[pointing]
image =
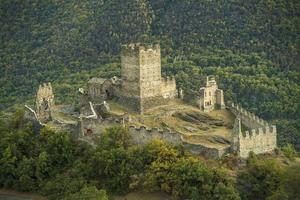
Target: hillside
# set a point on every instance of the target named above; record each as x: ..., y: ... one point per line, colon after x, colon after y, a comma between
x: 253, y: 46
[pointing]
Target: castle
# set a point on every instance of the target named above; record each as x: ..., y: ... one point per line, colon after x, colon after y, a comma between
x: 210, y: 96
x: 141, y: 86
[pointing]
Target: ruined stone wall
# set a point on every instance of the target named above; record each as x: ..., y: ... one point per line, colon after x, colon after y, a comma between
x: 210, y: 97
x: 168, y: 88
x: 250, y: 120
x: 207, y: 99
x: 44, y: 102
x: 260, y: 138
x: 142, y: 135
x: 199, y: 149
x: 95, y: 91
x: 220, y: 99
x: 45, y: 92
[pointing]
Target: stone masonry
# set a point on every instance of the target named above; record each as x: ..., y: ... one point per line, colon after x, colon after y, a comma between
x: 44, y: 102
x: 259, y: 138
x: 210, y: 97
x: 141, y: 86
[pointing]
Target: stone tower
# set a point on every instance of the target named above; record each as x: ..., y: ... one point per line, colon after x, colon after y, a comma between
x: 44, y: 102
x: 142, y: 84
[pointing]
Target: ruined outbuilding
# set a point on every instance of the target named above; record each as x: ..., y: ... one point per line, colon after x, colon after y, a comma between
x: 210, y: 96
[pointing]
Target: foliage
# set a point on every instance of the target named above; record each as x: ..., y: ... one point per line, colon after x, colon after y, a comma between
x: 251, y: 45
x: 289, y: 151
x: 61, y: 168
x: 88, y: 193
x: 268, y: 92
x: 64, y: 41
x: 267, y: 179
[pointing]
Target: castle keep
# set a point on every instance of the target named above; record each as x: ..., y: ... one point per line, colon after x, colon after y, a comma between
x: 141, y: 86
x: 210, y: 96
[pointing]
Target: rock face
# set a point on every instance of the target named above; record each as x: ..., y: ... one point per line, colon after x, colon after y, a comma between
x: 197, y: 118
x: 141, y: 86
x: 210, y: 96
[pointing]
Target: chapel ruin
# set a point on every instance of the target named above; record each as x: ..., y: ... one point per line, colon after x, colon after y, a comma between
x: 211, y: 97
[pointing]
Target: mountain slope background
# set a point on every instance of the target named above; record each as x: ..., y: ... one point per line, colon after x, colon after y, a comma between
x: 252, y: 46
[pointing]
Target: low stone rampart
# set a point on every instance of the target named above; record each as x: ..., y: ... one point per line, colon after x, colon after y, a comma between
x: 142, y: 135
x: 199, y: 149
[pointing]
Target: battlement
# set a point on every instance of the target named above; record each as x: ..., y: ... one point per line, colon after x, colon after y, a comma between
x: 260, y: 138
x: 211, y: 81
x: 168, y: 80
x: 138, y: 47
x: 249, y: 119
x: 45, y: 87
x: 259, y: 131
x: 149, y: 130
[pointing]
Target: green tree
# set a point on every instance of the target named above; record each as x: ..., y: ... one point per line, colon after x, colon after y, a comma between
x: 88, y: 193
x: 260, y: 180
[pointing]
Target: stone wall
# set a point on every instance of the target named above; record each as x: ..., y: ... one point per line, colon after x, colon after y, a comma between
x: 260, y: 138
x: 250, y: 120
x: 44, y: 102
x: 142, y: 135
x: 168, y: 88
x: 199, y: 149
x: 210, y: 97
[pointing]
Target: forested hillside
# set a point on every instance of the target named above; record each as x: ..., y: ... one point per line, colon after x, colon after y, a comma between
x: 59, y: 167
x: 253, y: 46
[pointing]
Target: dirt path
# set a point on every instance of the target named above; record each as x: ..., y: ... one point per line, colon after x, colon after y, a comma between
x: 4, y: 193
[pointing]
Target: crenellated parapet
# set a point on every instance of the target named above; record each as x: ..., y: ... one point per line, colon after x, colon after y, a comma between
x: 168, y: 87
x: 137, y: 48
x: 248, y: 135
x: 168, y: 80
x: 261, y: 137
x: 248, y: 119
